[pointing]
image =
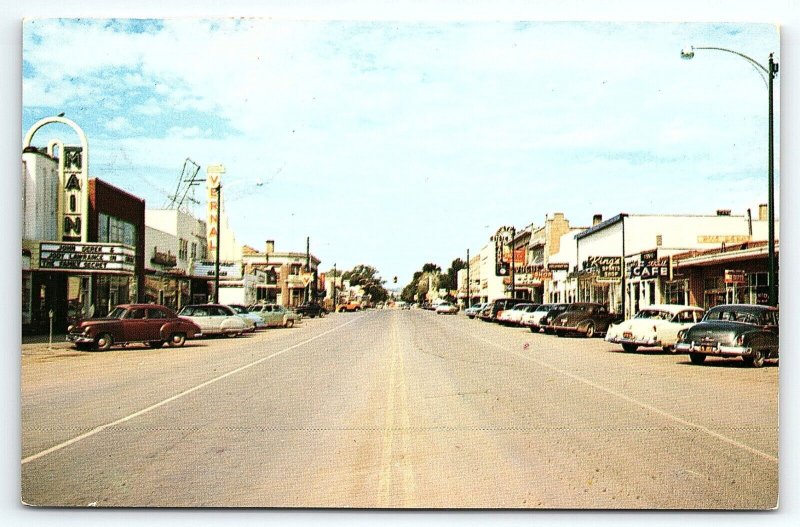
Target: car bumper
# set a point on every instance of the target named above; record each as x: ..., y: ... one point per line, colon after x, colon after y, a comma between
x: 634, y: 341
x: 79, y: 339
x: 718, y: 349
x: 568, y: 329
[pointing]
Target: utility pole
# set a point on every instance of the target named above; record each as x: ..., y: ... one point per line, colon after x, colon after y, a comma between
x: 219, y: 228
x: 308, y: 265
x: 469, y: 297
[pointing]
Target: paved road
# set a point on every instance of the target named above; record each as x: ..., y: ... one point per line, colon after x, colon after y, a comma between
x: 397, y: 409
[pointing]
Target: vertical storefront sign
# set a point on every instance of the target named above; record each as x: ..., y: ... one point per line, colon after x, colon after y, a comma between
x: 213, y: 183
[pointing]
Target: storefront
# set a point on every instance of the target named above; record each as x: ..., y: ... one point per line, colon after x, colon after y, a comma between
x: 74, y: 281
x: 733, y: 274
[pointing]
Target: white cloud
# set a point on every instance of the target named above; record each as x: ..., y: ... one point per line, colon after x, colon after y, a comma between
x: 119, y: 124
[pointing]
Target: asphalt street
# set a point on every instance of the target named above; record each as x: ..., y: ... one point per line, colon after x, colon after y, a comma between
x: 385, y: 409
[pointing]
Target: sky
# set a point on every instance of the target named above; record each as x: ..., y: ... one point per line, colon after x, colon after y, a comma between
x: 394, y: 144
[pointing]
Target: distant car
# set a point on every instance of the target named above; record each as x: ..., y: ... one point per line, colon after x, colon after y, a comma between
x: 254, y: 321
x: 311, y: 310
x: 446, y: 308
x: 275, y: 315
x: 654, y: 326
x: 473, y: 310
x: 532, y: 319
x: 733, y: 330
x: 513, y: 316
x: 546, y: 321
x: 151, y: 324
x: 496, y: 308
x: 215, y: 319
x: 349, y: 307
x: 584, y: 318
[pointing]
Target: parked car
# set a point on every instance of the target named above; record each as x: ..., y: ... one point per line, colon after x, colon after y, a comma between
x: 473, y: 310
x: 532, y: 318
x: 349, y: 306
x: 275, y: 315
x: 496, y: 308
x: 733, y: 330
x: 446, y: 308
x: 151, y: 324
x: 253, y: 321
x: 311, y: 310
x: 215, y: 319
x: 513, y: 316
x: 546, y: 321
x: 654, y: 326
x: 585, y: 318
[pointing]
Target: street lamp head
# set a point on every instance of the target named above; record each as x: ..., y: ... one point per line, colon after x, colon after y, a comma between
x: 687, y: 52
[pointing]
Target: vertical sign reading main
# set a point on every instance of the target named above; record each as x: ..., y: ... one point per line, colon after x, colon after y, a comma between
x: 73, y: 188
x: 213, y: 183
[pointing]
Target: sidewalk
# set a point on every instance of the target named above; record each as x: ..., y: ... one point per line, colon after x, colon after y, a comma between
x: 41, y: 342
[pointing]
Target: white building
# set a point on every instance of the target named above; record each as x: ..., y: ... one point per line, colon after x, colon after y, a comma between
x: 609, y: 253
x: 491, y: 285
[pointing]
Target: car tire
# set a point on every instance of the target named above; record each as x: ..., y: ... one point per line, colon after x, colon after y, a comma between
x: 83, y: 347
x: 697, y: 358
x: 629, y: 348
x: 533, y: 329
x: 155, y: 344
x: 589, y: 330
x: 559, y: 333
x: 289, y: 323
x: 177, y: 340
x: 668, y: 349
x: 756, y: 360
x: 103, y: 342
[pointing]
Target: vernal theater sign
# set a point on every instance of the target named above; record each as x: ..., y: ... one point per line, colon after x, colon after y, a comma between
x: 87, y: 256
x: 213, y: 186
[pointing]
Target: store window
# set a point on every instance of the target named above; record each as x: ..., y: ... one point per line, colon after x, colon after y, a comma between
x: 114, y: 230
x: 677, y: 292
x: 111, y: 291
x: 757, y: 290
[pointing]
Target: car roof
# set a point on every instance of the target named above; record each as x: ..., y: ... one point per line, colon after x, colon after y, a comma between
x: 671, y: 308
x: 743, y: 307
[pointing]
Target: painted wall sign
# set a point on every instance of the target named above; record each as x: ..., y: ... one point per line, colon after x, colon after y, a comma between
x: 88, y: 256
x: 727, y: 238
x: 502, y: 252
x: 605, y: 267
x: 166, y: 259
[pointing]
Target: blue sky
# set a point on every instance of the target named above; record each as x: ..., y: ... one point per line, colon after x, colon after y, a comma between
x: 395, y: 144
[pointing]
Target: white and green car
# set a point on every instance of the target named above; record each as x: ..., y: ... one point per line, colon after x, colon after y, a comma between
x: 275, y: 315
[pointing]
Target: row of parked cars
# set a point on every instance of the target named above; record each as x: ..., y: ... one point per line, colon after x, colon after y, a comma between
x: 732, y: 330
x: 156, y: 325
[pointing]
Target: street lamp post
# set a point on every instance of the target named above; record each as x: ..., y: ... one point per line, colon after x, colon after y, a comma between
x: 770, y: 71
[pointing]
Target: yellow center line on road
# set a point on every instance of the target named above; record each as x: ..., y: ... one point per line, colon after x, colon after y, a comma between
x: 150, y: 408
x: 641, y: 404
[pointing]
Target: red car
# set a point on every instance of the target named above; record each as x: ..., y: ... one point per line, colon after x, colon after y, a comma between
x: 150, y: 324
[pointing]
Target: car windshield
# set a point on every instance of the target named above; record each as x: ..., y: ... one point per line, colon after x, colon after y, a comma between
x: 117, y: 312
x: 654, y: 314
x: 732, y: 315
x: 238, y: 309
x: 544, y: 307
x: 580, y: 308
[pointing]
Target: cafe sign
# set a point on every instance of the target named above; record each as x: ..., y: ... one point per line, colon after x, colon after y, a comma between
x: 68, y: 256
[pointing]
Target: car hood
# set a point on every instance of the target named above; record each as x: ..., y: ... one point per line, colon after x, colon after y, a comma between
x: 96, y: 321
